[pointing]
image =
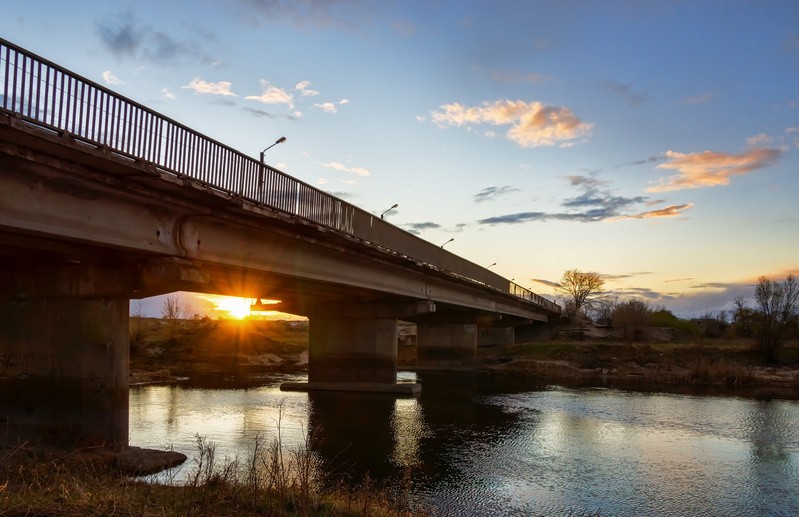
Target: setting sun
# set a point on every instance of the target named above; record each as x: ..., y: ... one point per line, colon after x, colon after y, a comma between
x: 241, y: 308
x: 238, y: 308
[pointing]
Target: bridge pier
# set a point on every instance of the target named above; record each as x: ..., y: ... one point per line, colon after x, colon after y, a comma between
x: 64, y: 371
x: 353, y: 350
x: 63, y: 358
x: 493, y: 335
x: 445, y: 345
x: 353, y: 347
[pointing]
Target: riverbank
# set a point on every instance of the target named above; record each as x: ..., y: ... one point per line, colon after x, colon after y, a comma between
x: 89, y: 483
x: 666, y: 362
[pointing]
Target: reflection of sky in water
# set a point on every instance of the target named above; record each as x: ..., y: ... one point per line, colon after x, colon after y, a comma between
x: 553, y: 451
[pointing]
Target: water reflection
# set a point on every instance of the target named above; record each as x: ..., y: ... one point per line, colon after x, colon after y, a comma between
x: 482, y: 445
x: 353, y: 433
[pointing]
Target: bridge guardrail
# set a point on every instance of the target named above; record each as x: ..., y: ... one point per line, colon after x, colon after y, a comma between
x: 46, y: 94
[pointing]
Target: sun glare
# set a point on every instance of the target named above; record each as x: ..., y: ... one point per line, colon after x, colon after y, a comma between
x: 238, y: 308
x: 242, y: 308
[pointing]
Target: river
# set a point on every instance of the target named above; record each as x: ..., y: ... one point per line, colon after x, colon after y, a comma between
x: 479, y: 445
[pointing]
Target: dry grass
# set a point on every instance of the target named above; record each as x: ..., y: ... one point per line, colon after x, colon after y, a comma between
x: 272, y: 481
x: 732, y: 363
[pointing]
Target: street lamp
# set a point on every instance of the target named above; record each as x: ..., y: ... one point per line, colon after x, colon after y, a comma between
x: 395, y: 205
x: 492, y: 265
x: 278, y: 141
x: 452, y: 239
x: 263, y: 165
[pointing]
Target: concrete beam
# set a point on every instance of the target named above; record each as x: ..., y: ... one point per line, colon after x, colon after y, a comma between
x: 167, y: 275
x: 70, y: 281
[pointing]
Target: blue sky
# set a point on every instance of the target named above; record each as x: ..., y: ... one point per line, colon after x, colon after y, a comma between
x: 652, y: 142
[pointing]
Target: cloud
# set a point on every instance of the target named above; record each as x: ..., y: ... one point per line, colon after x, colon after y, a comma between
x: 601, y: 204
x: 166, y: 93
x: 259, y: 112
x: 702, y: 98
x: 302, y: 87
x: 758, y: 140
x: 111, y: 79
x: 711, y: 169
x: 272, y: 95
x: 124, y: 37
x: 200, y: 86
x: 545, y: 282
x: 351, y: 14
x: 643, y: 161
x: 669, y: 211
x: 417, y: 228
x: 625, y: 91
x: 521, y: 217
x: 595, y: 203
x: 531, y: 124
x: 360, y: 171
x: 327, y: 107
x: 793, y: 131
x: 492, y: 193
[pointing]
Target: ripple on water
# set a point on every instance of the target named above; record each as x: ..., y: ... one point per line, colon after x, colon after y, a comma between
x: 479, y: 451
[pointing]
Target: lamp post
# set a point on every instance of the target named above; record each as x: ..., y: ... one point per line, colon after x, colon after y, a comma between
x: 491, y: 265
x: 278, y: 141
x: 452, y: 239
x: 395, y: 205
x: 263, y: 165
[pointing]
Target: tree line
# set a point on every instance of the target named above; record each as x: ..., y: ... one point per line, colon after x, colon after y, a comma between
x: 773, y: 318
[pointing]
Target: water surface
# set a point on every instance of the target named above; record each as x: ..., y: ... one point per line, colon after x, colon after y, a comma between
x: 480, y: 445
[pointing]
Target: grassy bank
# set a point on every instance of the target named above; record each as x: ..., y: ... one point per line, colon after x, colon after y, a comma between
x: 733, y: 363
x: 270, y: 482
x: 194, y: 348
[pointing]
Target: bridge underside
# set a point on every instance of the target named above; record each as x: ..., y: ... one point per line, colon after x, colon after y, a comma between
x: 81, y: 235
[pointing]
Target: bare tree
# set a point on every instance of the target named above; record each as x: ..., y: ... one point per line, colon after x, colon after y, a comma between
x: 603, y: 309
x: 581, y: 288
x: 172, y: 310
x: 136, y: 311
x: 632, y: 316
x: 742, y: 318
x: 777, y: 304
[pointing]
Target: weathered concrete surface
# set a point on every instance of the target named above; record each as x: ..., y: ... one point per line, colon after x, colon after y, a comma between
x: 64, y: 371
x: 495, y: 336
x: 362, y: 350
x: 445, y: 344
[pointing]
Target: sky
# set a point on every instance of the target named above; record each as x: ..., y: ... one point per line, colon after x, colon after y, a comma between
x: 655, y: 143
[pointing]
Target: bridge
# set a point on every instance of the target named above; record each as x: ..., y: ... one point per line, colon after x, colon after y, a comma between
x: 103, y: 200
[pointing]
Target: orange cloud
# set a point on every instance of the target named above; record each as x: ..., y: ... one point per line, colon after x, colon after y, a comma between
x: 669, y: 211
x: 532, y: 124
x: 711, y: 169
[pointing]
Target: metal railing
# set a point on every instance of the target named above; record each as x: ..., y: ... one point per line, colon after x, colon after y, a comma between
x: 46, y: 94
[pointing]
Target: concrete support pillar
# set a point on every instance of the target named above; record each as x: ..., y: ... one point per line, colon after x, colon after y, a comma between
x: 352, y: 350
x: 64, y: 365
x: 353, y: 347
x: 495, y: 336
x: 444, y: 345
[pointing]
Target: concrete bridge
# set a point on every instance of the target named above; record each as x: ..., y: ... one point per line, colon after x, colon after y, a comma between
x: 103, y: 200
